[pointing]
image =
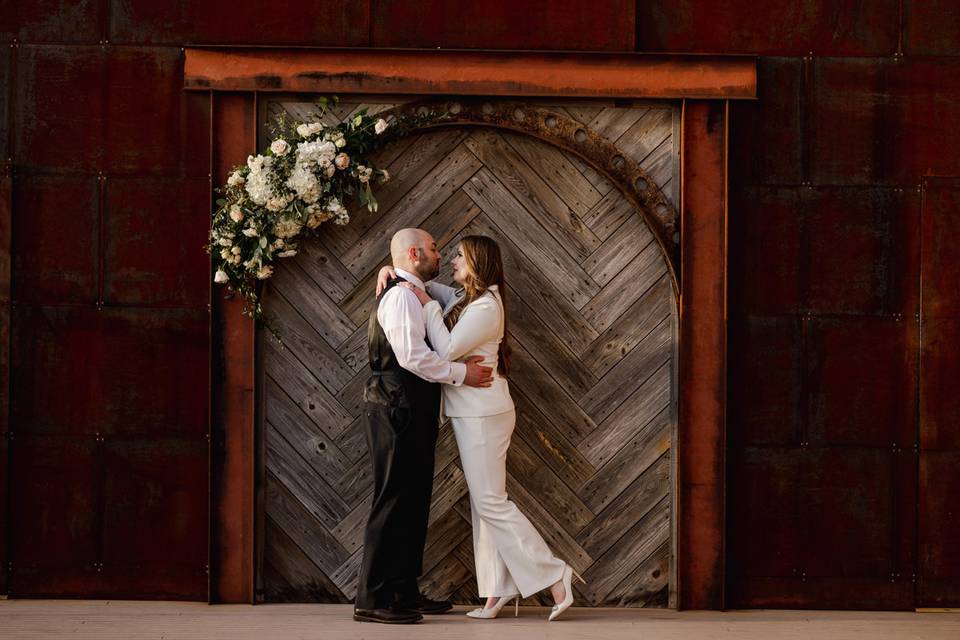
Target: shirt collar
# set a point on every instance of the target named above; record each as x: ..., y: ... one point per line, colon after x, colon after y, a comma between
x: 409, y: 277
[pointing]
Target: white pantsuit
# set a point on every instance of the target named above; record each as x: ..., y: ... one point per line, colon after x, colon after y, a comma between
x: 511, y: 557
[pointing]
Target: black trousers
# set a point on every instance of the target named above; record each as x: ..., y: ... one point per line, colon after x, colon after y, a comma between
x: 402, y: 444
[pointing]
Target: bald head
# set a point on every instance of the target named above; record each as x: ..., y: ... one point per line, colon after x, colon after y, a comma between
x: 416, y: 251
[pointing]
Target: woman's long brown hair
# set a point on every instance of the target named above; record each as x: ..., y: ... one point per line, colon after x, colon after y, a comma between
x: 484, y: 269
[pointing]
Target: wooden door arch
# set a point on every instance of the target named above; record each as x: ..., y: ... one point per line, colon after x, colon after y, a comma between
x: 592, y: 300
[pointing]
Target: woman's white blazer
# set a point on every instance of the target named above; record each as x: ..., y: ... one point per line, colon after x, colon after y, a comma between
x: 478, y: 332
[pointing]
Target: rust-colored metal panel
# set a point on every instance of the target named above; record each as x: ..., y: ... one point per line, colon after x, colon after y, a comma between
x: 884, y: 121
x: 939, y: 548
x: 823, y: 27
x: 931, y: 28
x: 4, y: 497
x: 232, y: 365
x: 131, y: 371
x: 862, y: 379
x: 850, y: 513
x: 504, y: 24
x: 55, y: 244
x: 941, y: 252
x: 939, y: 373
x: 767, y: 134
x: 764, y: 370
x: 332, y: 23
x: 766, y: 532
x: 59, y: 108
x: 862, y: 251
x: 863, y: 594
x: 53, y: 524
x: 6, y: 96
x: 471, y: 73
x: 153, y: 125
x: 62, y: 21
x: 155, y: 517
x: 141, y: 269
x: 701, y: 436
x: 766, y: 233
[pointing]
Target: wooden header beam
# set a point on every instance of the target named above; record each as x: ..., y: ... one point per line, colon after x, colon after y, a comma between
x: 493, y: 73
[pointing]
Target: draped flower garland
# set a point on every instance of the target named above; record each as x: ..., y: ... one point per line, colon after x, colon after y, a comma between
x: 308, y: 175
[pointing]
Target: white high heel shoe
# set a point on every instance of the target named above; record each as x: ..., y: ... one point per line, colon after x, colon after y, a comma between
x: 488, y: 613
x: 568, y: 573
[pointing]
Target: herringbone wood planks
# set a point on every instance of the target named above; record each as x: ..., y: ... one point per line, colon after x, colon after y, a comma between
x: 591, y: 312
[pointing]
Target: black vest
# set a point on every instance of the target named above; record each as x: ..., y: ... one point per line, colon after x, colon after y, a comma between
x: 390, y: 384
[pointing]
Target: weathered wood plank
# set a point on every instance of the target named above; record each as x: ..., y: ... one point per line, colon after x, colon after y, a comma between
x: 305, y: 343
x: 299, y: 478
x: 526, y: 327
x: 304, y: 295
x: 650, y: 398
x: 619, y: 250
x: 319, y: 451
x: 607, y: 215
x: 621, y: 291
x: 613, y: 122
x: 308, y: 534
x: 643, y: 539
x: 537, y: 290
x: 448, y: 221
x: 646, y: 134
x: 533, y: 194
x: 595, y: 177
x: 301, y: 578
x: 530, y: 378
x: 325, y: 269
x: 349, y: 531
x: 443, y: 537
x: 449, y: 486
x: 650, y: 441
x: 647, y: 586
x: 630, y: 328
x: 563, y: 545
x: 417, y: 160
x: 649, y: 355
x: 324, y: 410
x: 649, y: 488
x: 445, y: 578
x: 416, y: 206
x: 553, y: 493
x: 348, y: 574
x: 354, y: 349
x: 563, y: 458
x: 563, y: 271
x: 557, y: 171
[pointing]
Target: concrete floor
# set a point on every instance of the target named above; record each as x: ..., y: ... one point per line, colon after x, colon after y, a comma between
x: 49, y: 619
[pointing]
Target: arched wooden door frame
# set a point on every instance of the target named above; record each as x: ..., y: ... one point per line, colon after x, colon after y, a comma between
x: 233, y: 78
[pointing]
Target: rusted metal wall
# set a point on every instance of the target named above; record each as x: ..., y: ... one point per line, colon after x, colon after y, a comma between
x: 830, y: 353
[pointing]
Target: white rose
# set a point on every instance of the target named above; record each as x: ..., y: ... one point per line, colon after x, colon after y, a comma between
x: 384, y: 176
x: 276, y: 204
x: 221, y: 277
x: 341, y: 142
x: 250, y: 233
x: 225, y: 254
x: 236, y: 214
x: 236, y: 259
x: 225, y: 242
x: 264, y: 272
x: 314, y: 128
x: 330, y: 170
x: 289, y: 253
x: 235, y: 179
x: 303, y: 130
x: 356, y: 122
x: 342, y: 161
x: 380, y: 126
x: 235, y: 251
x: 279, y: 147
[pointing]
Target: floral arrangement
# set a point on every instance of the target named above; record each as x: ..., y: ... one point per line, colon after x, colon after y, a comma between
x: 305, y: 178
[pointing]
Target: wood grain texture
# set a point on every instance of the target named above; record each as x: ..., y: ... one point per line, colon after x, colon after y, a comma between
x: 591, y: 309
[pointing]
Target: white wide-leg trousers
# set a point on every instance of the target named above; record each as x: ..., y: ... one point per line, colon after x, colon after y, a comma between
x: 510, y: 554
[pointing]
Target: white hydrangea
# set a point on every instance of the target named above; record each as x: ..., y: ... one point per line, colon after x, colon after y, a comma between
x: 235, y: 179
x: 304, y: 183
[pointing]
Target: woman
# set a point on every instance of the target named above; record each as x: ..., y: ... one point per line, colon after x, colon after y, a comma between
x: 512, y: 559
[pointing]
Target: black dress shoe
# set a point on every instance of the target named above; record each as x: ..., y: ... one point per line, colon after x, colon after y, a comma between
x: 425, y: 605
x: 387, y: 616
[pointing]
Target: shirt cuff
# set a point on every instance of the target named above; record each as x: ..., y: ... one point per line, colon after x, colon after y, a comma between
x: 459, y: 372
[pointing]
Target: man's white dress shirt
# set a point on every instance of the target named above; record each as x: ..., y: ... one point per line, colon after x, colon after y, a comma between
x: 401, y: 316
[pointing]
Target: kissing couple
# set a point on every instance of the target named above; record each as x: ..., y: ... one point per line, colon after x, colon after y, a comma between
x: 426, y: 340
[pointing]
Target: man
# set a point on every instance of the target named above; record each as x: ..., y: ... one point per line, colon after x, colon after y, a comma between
x: 401, y: 410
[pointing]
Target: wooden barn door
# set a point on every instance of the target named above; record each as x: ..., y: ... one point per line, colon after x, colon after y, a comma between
x: 592, y: 321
